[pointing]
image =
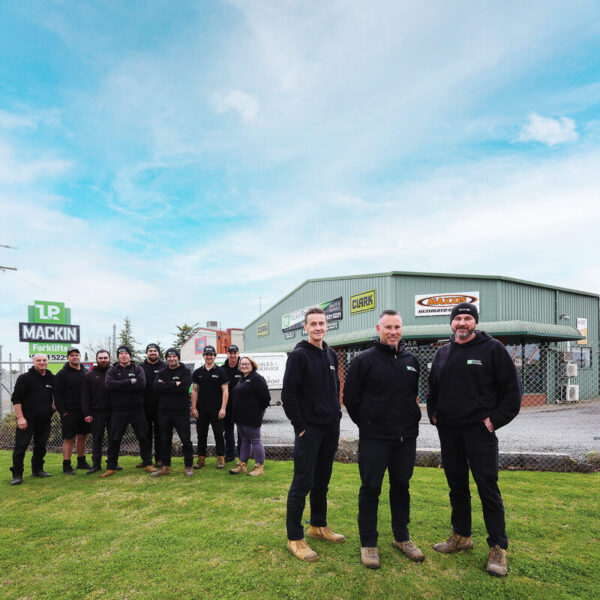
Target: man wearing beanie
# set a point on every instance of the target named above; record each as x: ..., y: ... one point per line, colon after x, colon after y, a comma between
x: 125, y: 383
x: 152, y: 365
x: 172, y: 385
x: 474, y: 389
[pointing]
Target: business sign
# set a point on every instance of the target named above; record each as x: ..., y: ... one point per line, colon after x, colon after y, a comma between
x: 290, y: 335
x: 432, y: 305
x: 363, y: 302
x: 200, y: 344
x: 582, y: 327
x: 36, y: 332
x: 295, y: 320
x: 262, y: 329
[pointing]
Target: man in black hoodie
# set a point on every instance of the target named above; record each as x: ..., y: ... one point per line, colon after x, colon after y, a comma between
x: 125, y: 383
x: 152, y: 365
x: 95, y: 406
x: 33, y: 404
x: 474, y: 389
x: 67, y: 398
x: 310, y: 398
x: 380, y: 395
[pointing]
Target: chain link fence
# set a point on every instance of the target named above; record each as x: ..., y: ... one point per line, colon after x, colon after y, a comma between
x: 558, y: 428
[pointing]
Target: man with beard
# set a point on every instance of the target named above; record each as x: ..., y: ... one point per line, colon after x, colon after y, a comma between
x: 474, y: 389
x: 380, y: 395
x: 125, y: 383
x: 210, y: 394
x: 152, y: 365
x: 173, y: 387
x: 32, y: 402
x: 233, y: 377
x: 67, y: 398
x: 95, y: 406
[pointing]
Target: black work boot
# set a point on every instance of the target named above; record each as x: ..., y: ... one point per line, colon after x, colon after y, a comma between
x: 67, y: 468
x: 82, y: 463
x: 94, y: 469
x: 17, y: 480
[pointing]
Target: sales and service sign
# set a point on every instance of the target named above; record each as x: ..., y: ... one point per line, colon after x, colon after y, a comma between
x: 295, y: 320
x: 363, y: 302
x: 431, y: 305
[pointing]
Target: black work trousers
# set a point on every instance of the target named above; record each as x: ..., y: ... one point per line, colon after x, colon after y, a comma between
x: 100, y: 424
x: 374, y: 457
x: 206, y: 418
x: 313, y: 461
x: 39, y: 429
x: 181, y: 423
x: 118, y: 425
x: 229, y: 434
x: 153, y: 424
x: 476, y: 448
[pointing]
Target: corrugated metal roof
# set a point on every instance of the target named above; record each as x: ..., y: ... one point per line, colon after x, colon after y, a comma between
x: 509, y: 329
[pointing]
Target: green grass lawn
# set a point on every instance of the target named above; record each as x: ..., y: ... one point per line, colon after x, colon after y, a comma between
x: 220, y: 536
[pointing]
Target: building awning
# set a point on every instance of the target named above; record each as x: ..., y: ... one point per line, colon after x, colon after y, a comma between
x: 511, y: 331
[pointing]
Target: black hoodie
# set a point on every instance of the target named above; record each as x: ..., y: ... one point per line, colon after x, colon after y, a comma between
x: 151, y: 371
x: 33, y: 391
x: 173, y: 398
x: 380, y: 392
x: 470, y: 382
x: 67, y: 389
x: 125, y: 387
x: 94, y: 397
x: 251, y: 398
x: 311, y: 386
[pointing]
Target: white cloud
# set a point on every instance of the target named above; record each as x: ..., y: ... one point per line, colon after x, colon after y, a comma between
x: 548, y: 131
x: 13, y: 170
x: 12, y: 121
x: 235, y: 100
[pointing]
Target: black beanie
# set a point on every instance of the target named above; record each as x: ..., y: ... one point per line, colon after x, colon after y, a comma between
x: 465, y: 308
x: 173, y: 351
x: 152, y: 345
x: 123, y: 349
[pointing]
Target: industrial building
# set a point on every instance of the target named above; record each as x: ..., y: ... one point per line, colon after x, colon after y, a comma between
x: 551, y: 333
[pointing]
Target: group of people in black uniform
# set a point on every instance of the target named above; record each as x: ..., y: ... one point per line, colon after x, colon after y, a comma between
x: 474, y: 389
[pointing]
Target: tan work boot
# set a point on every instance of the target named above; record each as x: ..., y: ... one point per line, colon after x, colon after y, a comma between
x: 455, y: 543
x: 369, y: 556
x: 162, y: 471
x: 301, y: 550
x: 258, y: 470
x: 108, y: 473
x: 220, y: 462
x: 149, y: 469
x: 410, y: 550
x: 189, y: 471
x: 200, y: 462
x: 497, y: 562
x: 325, y: 533
x: 240, y: 468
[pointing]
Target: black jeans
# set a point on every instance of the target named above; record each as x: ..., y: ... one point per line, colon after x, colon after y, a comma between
x: 39, y: 429
x: 229, y: 433
x: 153, y: 424
x: 205, y: 419
x: 118, y: 425
x: 374, y: 457
x: 100, y: 424
x: 313, y: 460
x: 181, y: 423
x: 475, y: 447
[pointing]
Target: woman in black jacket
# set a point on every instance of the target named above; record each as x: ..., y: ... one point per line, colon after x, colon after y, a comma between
x: 250, y: 400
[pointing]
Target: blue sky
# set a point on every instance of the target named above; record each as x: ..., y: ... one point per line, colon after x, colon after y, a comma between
x: 190, y: 161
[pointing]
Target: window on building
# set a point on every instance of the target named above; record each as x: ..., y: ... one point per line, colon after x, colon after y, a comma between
x: 582, y: 356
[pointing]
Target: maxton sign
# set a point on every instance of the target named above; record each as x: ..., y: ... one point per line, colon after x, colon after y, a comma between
x: 431, y: 305
x: 49, y: 329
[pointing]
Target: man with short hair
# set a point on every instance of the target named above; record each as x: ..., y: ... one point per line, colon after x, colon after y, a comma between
x: 233, y: 377
x: 173, y: 386
x: 210, y: 394
x: 32, y: 400
x: 67, y: 398
x: 310, y: 398
x: 474, y: 389
x: 96, y: 407
x: 380, y: 395
x: 152, y: 365
x: 125, y: 383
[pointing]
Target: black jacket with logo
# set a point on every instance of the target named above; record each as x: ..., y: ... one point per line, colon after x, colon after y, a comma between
x: 470, y: 382
x: 34, y: 392
x: 210, y: 390
x: 94, y: 397
x: 251, y: 398
x: 311, y: 386
x: 125, y: 387
x: 67, y: 389
x: 380, y: 392
x: 151, y: 371
x: 173, y: 397
x: 234, y: 376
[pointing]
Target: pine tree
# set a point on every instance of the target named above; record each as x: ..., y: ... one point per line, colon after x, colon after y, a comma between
x: 184, y: 333
x: 126, y: 338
